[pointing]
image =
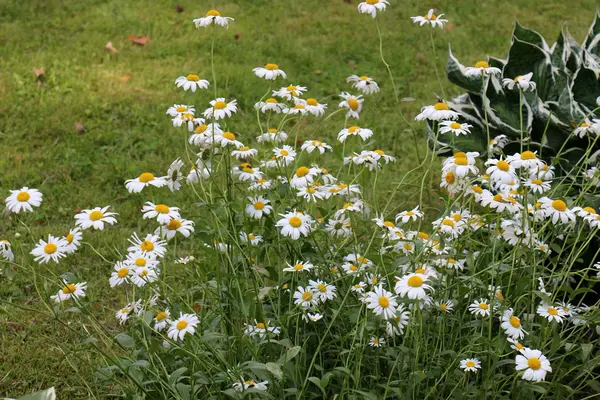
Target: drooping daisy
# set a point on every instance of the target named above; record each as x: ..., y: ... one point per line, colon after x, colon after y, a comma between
x: 290, y: 92
x: 339, y: 227
x: 352, y: 103
x: 168, y: 231
x: 269, y: 71
x: 299, y: 108
x: 310, y: 193
x: 372, y: 6
x: 23, y: 199
x: 120, y: 275
x: 527, y: 159
x: 5, y: 250
x: 586, y: 128
x: 136, y: 185
x: 186, y: 323
x: 54, y: 249
x: 191, y: 82
x: 305, y: 297
x: 537, y: 185
x: 295, y: 224
x: 312, y: 317
x: 143, y: 275
x: 220, y: 108
x: 438, y: 112
x: 363, y: 83
x: 178, y: 109
x: 558, y: 211
x: 551, y: 312
x: 470, y: 365
x: 162, y: 319
x: 480, y: 307
x: 497, y: 144
x: 535, y: 364
x: 314, y: 107
x: 227, y: 139
x: 73, y: 240
x: 512, y: 325
x: 455, y: 128
x: 212, y: 17
x: 70, y: 291
x: 95, y: 218
x: 299, y: 266
x: 482, y: 68
x: 251, y: 238
x: 161, y: 212
x: 174, y: 175
x: 322, y: 290
x: 203, y: 133
x: 500, y: 171
x: 140, y: 258
x: 430, y: 18
x: 261, y: 329
x: 381, y: 302
x: 395, y: 326
x: 244, y: 153
x: 250, y: 384
x: 364, y: 133
x: 522, y: 82
x: 272, y: 136
x: 413, y: 286
x: 271, y: 104
x: 258, y: 207
x: 310, y: 145
x: 151, y: 245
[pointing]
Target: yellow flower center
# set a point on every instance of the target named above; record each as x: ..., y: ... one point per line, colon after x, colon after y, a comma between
x: 372, y: 2
x: 415, y: 281
x: 295, y: 222
x: 201, y: 128
x: 123, y: 272
x: 161, y: 208
x: 307, y: 296
x: 271, y: 67
x: 353, y: 104
x: 353, y: 267
x: 470, y: 364
x: 503, y: 165
x: 559, y: 205
x: 291, y: 88
x: 312, y: 102
x: 70, y: 288
x: 444, y: 307
x: 143, y: 273
x: 389, y: 224
x: 228, y: 135
x: 181, y: 109
x: 433, y: 17
x: 528, y: 155
x: 455, y: 125
x: 589, y: 209
x: 219, y: 105
x: 192, y: 77
x: 461, y: 161
x: 536, y: 181
x: 161, y: 315
x: 482, y: 64
x: 302, y: 171
x: 448, y: 222
x: 96, y: 215
x: 384, y: 302
x: 146, y: 177
x: 299, y: 267
x: 477, y: 189
x: 515, y: 322
x: 260, y: 325
x: 182, y: 325
x: 484, y: 306
x: 23, y: 196
x: 284, y: 152
x: 259, y: 205
x: 140, y: 262
x: 534, y: 363
x: 174, y: 225
x: 449, y: 178
x: 50, y: 248
x: 147, y: 245
x: 552, y: 311
x: 423, y: 235
x: 69, y: 238
x: 441, y: 106
x: 213, y: 13
x: 519, y: 346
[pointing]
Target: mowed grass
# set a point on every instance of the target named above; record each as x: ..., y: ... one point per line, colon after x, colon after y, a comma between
x: 121, y: 101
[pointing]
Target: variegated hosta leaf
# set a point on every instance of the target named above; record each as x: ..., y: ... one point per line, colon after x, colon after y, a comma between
x: 504, y: 109
x: 560, y: 52
x: 530, y: 36
x: 445, y: 145
x: 586, y: 87
x: 456, y: 74
x: 591, y: 42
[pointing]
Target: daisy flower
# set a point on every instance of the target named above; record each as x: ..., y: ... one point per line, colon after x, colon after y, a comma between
x: 260, y: 184
x: 309, y: 193
x: 295, y: 224
x: 168, y: 231
x: 269, y: 71
x: 290, y: 92
x: 413, y: 286
x: 455, y: 128
x: 70, y: 291
x: 244, y: 153
x: 5, y: 251
x: 174, y: 175
x: 143, y: 275
x: 151, y: 244
x: 303, y: 176
x: 191, y: 82
x: 186, y: 323
x: 470, y: 365
x: 305, y: 298
x: 363, y: 83
x: 438, y: 112
x: 272, y: 136
x: 352, y: 103
x: 54, y: 249
x: 312, y: 317
x: 537, y: 185
x: 527, y: 159
x: 203, y: 133
x: 220, y: 109
x: 271, y: 104
x: 258, y: 207
x: 285, y: 155
x: 178, y: 109
x: 359, y: 287
x: 372, y: 6
x: 351, y: 268
x: 482, y: 68
x: 95, y: 218
x: 310, y: 145
x: 212, y: 17
x: 586, y: 128
x: 430, y: 18
x: 535, y: 364
x: 395, y: 326
x: 497, y: 144
x: 558, y: 211
x: 73, y: 240
x: 376, y: 342
x: 299, y: 108
x: 512, y: 325
x: 364, y: 133
x: 140, y: 258
x: 298, y: 267
x: 185, y: 260
x: 381, y: 302
x: 552, y: 313
x: 120, y: 275
x: 250, y: 384
x: 515, y: 344
x: 522, y: 82
x: 251, y: 238
x: 261, y: 329
x: 500, y: 171
x: 161, y: 320
x: 480, y: 307
x: 161, y: 212
x: 338, y: 227
x: 145, y: 179
x: 314, y: 107
x: 445, y: 306
x: 228, y: 139
x: 23, y: 200
x: 322, y: 290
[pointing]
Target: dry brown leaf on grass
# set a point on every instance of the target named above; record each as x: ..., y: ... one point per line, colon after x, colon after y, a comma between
x: 139, y: 40
x: 110, y: 48
x: 79, y: 128
x: 179, y: 8
x: 39, y: 72
x: 125, y: 78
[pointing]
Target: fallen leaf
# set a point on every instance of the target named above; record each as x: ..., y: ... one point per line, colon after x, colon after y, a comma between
x: 179, y: 8
x: 237, y: 36
x: 318, y: 73
x: 110, y: 48
x: 79, y: 128
x: 448, y: 27
x: 139, y: 40
x: 125, y: 78
x: 39, y: 72
x: 352, y: 64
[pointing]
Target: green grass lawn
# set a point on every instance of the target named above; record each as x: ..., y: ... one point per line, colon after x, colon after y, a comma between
x: 120, y: 99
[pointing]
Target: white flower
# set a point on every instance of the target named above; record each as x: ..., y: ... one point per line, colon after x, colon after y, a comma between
x: 480, y: 307
x: 527, y: 159
x: 271, y: 104
x: 558, y: 210
x: 512, y: 325
x: 352, y: 103
x: 179, y: 109
x: 143, y: 275
x: 95, y: 218
x: 272, y: 136
x: 497, y: 144
x: 5, y: 251
x: 535, y: 364
x: 338, y: 227
x: 310, y: 145
x: 314, y: 107
x: 162, y: 319
x: 322, y: 290
x: 168, y: 231
x: 455, y: 128
x: 537, y: 185
x: 258, y: 207
x: 430, y: 18
x: 220, y: 109
x: 381, y: 302
x: 470, y: 365
x: 269, y: 71
x: 413, y: 286
x: 295, y: 224
x: 250, y: 384
x: 23, y: 200
x: 151, y: 245
x: 161, y: 212
x: 120, y: 275
x: 136, y: 185
x: 376, y: 342
x: 212, y: 16
x: 191, y: 82
x: 227, y: 139
x: 186, y: 323
x: 298, y: 267
x: 251, y: 238
x: 364, y: 133
x: 500, y: 172
x: 396, y: 326
x: 290, y: 92
x: 551, y: 312
x: 438, y: 112
x: 363, y: 83
x: 73, y: 240
x: 522, y: 82
x: 586, y: 128
x: 70, y: 291
x: 174, y: 175
x: 372, y: 6
x: 141, y: 258
x: 312, y: 317
x: 204, y: 133
x: 54, y: 249
x: 482, y: 68
x: 244, y: 153
x: 305, y: 297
